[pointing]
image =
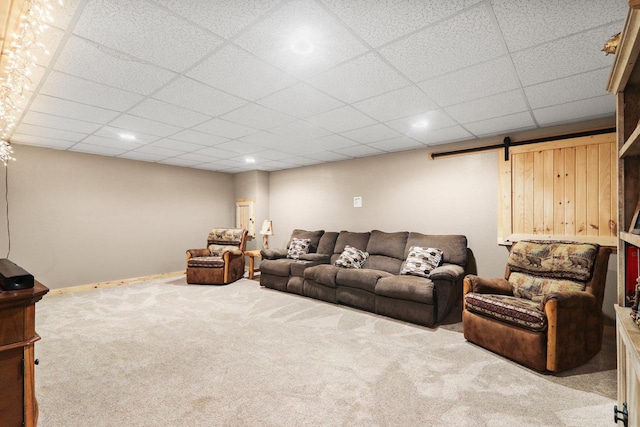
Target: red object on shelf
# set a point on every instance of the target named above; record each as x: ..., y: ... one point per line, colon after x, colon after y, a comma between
x: 631, y: 273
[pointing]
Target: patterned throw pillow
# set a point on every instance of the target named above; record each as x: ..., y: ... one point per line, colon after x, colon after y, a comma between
x: 351, y: 257
x: 298, y: 247
x: 421, y: 261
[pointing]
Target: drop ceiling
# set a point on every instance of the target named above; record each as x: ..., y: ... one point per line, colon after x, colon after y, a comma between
x: 227, y: 85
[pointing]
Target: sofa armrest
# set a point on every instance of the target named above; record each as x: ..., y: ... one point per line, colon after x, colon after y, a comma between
x: 192, y: 253
x: 473, y: 283
x: 273, y: 253
x: 447, y: 272
x: 575, y: 299
x: 319, y: 258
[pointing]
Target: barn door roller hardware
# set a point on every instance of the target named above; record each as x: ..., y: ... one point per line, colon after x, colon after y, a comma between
x: 508, y: 143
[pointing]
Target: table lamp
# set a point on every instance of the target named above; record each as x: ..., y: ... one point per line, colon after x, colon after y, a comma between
x: 267, y: 230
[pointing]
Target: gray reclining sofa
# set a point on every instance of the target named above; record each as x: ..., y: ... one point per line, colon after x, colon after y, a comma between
x: 378, y: 286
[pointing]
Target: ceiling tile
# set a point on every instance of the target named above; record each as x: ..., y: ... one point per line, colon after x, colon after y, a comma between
x: 167, y: 113
x: 268, y: 140
x: 430, y: 120
x: 303, y: 161
x: 145, y: 157
x: 533, y: 22
x: 271, y: 155
x: 160, y: 151
x: 497, y: 125
x: 359, y: 151
x: 300, y: 101
x: 399, y: 103
x: 101, y: 64
x: 146, y: 31
x: 40, y: 141
x: 301, y: 149
x: 57, y: 122
x: 465, y: 39
x: 223, y: 17
x: 239, y: 147
x: 63, y: 13
x: 485, y: 108
x: 212, y: 152
x: 300, y: 130
x: 138, y: 124
x: 359, y: 78
x: 62, y: 107
x: 341, y: 119
x: 329, y: 156
x: 197, y: 157
x: 27, y: 129
x: 114, y: 133
x: 599, y: 106
x: 76, y: 89
x: 174, y: 144
x: 477, y: 81
x: 50, y: 39
x: 568, y: 89
x: 565, y: 57
x: 225, y: 128
x: 383, y: 21
x: 301, y: 20
x: 198, y: 137
x: 332, y: 142
x: 257, y: 116
x: 117, y: 144
x: 443, y: 136
x: 189, y: 93
x: 96, y: 149
x: 370, y: 134
x: 239, y: 73
x: 397, y: 144
x: 179, y: 162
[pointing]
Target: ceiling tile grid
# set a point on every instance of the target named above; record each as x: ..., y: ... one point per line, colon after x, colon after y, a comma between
x: 216, y: 84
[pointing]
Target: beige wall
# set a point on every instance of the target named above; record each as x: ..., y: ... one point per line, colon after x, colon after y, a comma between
x: 401, y: 191
x: 79, y: 218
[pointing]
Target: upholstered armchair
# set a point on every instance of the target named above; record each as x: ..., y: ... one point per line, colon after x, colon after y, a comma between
x: 547, y: 311
x: 222, y: 261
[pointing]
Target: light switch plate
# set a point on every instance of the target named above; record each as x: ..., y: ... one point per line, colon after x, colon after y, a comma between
x: 357, y: 202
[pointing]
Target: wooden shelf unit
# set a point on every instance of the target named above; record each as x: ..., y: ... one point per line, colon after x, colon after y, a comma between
x: 624, y: 82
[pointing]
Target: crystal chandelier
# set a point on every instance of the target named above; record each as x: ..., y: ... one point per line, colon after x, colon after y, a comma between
x: 19, y: 54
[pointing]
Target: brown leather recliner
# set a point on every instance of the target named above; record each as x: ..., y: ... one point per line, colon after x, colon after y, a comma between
x: 547, y: 312
x: 222, y: 261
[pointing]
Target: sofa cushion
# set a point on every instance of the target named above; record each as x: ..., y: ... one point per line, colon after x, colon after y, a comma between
x: 389, y: 244
x: 313, y: 236
x: 298, y: 267
x: 225, y: 236
x: 206, y: 262
x: 218, y: 250
x: 453, y: 247
x: 517, y: 311
x: 298, y: 247
x: 409, y: 288
x: 277, y: 267
x: 273, y: 253
x: 383, y: 263
x: 421, y: 261
x: 365, y: 279
x: 323, y: 274
x: 357, y: 240
x: 327, y: 242
x: 351, y: 258
x: 534, y: 288
x: 557, y: 259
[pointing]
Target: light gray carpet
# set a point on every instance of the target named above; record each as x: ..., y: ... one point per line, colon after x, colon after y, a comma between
x: 163, y: 353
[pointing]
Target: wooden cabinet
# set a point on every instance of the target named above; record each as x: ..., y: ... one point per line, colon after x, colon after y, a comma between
x: 18, y: 405
x: 624, y: 82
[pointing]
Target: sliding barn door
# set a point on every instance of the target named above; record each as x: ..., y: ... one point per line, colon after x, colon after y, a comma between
x: 565, y: 189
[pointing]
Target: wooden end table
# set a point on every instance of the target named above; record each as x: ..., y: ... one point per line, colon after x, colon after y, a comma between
x: 252, y: 256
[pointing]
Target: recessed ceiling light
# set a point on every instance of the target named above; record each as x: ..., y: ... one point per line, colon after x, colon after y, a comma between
x: 302, y: 46
x: 127, y: 136
x: 250, y: 160
x: 421, y: 124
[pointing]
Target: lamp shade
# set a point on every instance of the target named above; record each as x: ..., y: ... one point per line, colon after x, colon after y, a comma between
x: 267, y: 228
